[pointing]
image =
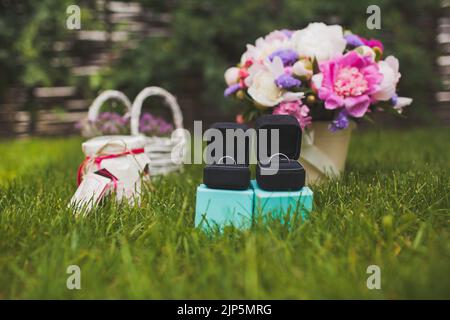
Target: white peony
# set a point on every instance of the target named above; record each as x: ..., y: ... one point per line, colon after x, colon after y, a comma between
x: 264, y: 47
x: 231, y: 76
x: 389, y: 68
x: 264, y: 90
x: 261, y: 82
x: 262, y: 87
x: 319, y: 40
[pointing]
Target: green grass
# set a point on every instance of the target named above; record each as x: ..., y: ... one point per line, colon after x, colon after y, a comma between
x: 20, y: 157
x: 391, y: 208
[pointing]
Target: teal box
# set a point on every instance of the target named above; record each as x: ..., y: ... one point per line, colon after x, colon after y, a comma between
x: 278, y: 203
x: 219, y: 207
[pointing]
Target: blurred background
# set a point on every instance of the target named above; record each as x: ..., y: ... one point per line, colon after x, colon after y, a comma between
x: 49, y: 75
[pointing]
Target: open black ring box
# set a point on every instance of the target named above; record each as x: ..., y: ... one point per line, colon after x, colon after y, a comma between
x: 229, y: 170
x: 288, y: 174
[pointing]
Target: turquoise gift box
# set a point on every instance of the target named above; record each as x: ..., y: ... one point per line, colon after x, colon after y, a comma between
x: 220, y: 207
x: 281, y: 204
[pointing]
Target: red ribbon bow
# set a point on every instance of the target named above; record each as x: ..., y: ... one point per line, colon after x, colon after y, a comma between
x: 98, y: 160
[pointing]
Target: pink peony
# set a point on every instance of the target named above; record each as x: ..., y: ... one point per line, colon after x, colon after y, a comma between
x: 294, y: 108
x: 348, y: 81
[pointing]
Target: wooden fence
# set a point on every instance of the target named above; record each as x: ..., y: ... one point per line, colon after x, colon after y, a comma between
x: 57, y: 109
x: 442, y: 108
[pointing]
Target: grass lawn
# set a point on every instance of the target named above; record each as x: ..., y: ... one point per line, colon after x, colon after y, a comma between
x: 391, y: 209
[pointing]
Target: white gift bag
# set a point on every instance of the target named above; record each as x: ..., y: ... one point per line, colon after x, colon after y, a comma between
x: 119, y: 159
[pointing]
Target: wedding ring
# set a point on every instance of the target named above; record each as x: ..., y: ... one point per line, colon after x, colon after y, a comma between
x: 221, y: 159
x: 276, y: 154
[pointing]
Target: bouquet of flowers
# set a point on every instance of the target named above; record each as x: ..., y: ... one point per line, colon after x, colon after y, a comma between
x: 315, y: 73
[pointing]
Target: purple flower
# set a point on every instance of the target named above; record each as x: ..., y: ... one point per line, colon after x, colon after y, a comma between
x: 124, y: 120
x: 353, y: 40
x: 109, y: 123
x: 165, y: 128
x: 394, y: 99
x: 151, y: 125
x: 109, y: 128
x: 104, y: 115
x: 231, y: 89
x: 287, y: 56
x: 286, y: 81
x: 341, y: 122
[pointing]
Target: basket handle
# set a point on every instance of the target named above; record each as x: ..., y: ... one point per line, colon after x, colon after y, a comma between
x: 94, y: 109
x: 154, y: 91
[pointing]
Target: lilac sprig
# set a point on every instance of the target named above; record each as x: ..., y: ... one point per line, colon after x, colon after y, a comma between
x: 353, y: 40
x: 287, y: 56
x: 286, y: 81
x: 341, y: 122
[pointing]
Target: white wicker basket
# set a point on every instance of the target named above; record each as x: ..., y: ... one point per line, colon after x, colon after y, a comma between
x: 88, y: 130
x: 165, y: 153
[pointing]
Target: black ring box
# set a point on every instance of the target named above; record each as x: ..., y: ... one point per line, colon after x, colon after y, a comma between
x: 225, y: 175
x: 290, y: 174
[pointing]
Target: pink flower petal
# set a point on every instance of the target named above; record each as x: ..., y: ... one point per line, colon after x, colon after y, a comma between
x: 334, y: 101
x: 352, y: 59
x: 357, y: 106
